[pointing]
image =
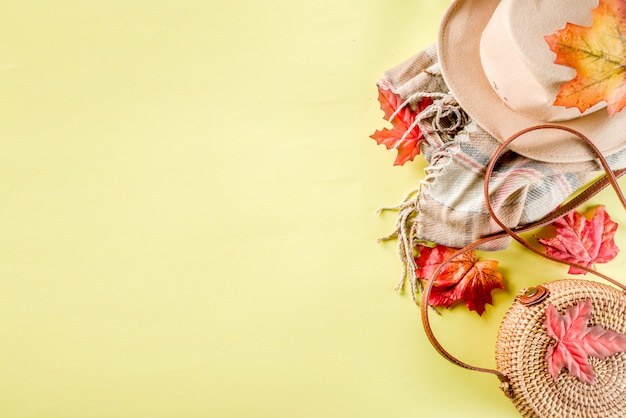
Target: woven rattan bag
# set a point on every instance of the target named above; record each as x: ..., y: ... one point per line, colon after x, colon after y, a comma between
x: 524, y: 341
x: 521, y: 351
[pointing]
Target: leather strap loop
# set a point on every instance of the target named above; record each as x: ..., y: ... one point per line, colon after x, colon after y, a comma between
x: 609, y: 178
x: 609, y: 175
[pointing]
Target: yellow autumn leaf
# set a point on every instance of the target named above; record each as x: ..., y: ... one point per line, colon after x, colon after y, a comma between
x: 598, y: 54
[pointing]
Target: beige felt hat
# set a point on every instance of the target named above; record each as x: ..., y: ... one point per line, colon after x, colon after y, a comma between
x: 498, y: 65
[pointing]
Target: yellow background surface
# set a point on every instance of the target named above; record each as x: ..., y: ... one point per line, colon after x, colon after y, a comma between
x: 188, y: 228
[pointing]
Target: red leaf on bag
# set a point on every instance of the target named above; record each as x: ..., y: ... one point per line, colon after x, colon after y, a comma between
x: 582, y: 241
x: 464, y: 278
x: 597, y: 54
x: 406, y: 141
x: 575, y: 341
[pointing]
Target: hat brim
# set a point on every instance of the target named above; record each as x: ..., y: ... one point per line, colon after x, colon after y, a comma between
x: 459, y: 55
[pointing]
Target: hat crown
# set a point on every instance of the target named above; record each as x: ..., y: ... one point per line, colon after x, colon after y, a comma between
x: 518, y: 62
x: 465, y: 62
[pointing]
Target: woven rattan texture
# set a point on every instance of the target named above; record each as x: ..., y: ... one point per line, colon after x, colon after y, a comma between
x: 521, y: 350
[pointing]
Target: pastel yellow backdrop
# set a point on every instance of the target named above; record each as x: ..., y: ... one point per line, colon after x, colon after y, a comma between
x: 188, y: 216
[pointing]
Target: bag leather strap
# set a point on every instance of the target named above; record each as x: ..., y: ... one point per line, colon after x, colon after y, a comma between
x: 609, y: 178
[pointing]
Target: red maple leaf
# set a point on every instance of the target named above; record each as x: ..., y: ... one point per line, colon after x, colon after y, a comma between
x: 575, y: 341
x: 402, y: 137
x: 463, y: 278
x: 582, y: 241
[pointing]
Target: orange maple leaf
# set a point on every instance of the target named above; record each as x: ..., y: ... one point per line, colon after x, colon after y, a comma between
x: 464, y: 278
x: 598, y: 54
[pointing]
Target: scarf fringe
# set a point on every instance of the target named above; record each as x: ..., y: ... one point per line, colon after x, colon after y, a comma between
x: 439, y: 122
x: 407, y: 224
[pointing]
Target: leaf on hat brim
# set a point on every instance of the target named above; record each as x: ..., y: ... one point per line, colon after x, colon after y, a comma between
x: 463, y: 278
x: 403, y: 137
x: 598, y: 54
x: 575, y: 341
x: 583, y: 241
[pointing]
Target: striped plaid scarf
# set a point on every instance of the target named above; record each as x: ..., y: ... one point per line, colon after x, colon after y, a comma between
x: 448, y: 206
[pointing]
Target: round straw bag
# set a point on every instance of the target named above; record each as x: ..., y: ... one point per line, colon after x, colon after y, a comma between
x: 536, y: 388
x: 522, y: 345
